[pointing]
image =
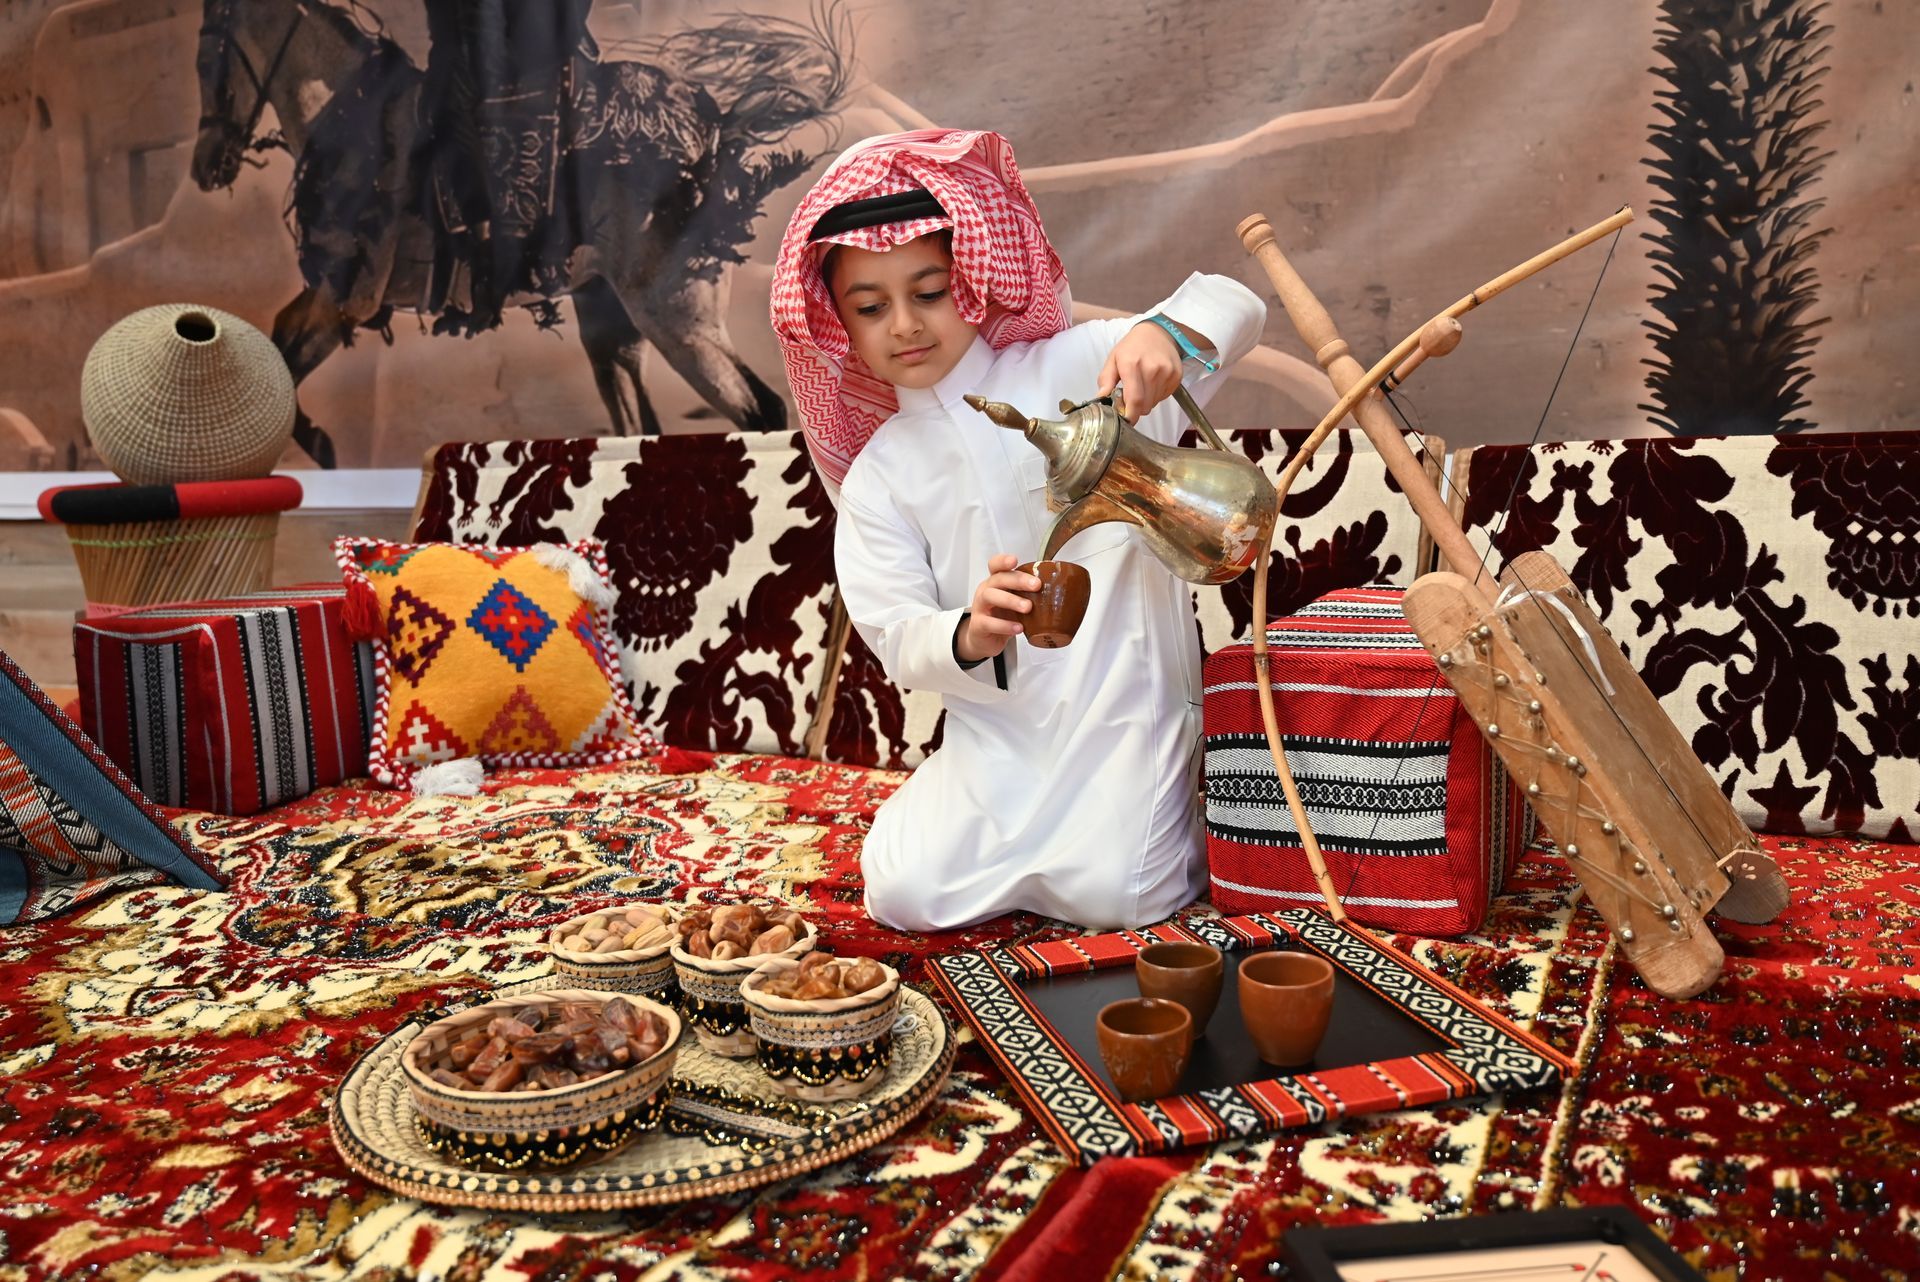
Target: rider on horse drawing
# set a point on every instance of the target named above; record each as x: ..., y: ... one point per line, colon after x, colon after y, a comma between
x: 496, y: 88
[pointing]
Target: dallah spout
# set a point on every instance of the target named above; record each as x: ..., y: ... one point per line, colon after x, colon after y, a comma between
x: 1000, y: 412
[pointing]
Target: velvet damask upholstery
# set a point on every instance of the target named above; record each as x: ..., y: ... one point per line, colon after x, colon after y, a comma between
x: 1768, y: 589
x: 721, y: 547
x: 721, y: 550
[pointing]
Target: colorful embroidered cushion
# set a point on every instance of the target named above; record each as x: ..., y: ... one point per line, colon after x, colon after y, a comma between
x: 503, y: 654
x: 72, y: 828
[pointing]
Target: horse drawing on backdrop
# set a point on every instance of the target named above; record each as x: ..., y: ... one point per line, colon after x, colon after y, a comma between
x: 660, y: 169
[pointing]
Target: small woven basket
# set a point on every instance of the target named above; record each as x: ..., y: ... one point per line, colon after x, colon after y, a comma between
x: 644, y: 972
x: 710, y: 994
x: 537, y: 1130
x: 828, y: 1049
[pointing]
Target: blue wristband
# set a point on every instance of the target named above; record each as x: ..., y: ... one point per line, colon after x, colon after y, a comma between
x: 1187, y: 349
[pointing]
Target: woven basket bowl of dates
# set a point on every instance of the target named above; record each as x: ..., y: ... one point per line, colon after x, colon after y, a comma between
x: 824, y: 1024
x: 622, y: 949
x: 539, y: 1081
x: 719, y: 947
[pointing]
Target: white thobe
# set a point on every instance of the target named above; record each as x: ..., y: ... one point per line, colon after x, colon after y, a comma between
x: 1066, y: 782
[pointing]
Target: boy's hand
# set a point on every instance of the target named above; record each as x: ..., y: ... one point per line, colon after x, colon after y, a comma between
x: 985, y: 633
x: 1147, y: 364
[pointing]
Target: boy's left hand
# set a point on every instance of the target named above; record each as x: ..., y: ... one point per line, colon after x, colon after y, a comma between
x: 1146, y: 363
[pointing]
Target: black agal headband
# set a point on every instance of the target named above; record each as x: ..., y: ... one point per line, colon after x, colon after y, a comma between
x: 876, y: 211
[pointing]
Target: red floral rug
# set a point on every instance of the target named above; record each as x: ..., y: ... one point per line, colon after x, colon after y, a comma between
x: 1770, y: 1128
x: 166, y: 1059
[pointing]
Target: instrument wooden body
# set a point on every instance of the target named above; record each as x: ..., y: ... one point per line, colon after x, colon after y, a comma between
x: 1641, y: 823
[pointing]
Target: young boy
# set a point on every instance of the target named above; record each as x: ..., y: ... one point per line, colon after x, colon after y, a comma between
x: 916, y: 272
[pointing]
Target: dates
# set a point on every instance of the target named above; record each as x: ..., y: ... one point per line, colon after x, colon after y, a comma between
x: 820, y: 976
x: 732, y: 931
x: 546, y: 1047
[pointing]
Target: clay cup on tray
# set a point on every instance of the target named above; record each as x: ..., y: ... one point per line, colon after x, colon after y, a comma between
x: 1145, y: 1042
x: 1190, y: 974
x: 1286, y: 1000
x: 542, y: 1128
x: 1059, y: 605
x: 823, y: 1048
x: 719, y: 947
x: 623, y: 949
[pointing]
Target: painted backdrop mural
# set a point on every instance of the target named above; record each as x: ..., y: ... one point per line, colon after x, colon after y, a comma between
x: 517, y: 218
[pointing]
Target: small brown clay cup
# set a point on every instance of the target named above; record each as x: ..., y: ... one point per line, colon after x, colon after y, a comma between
x: 1059, y: 605
x: 1186, y: 973
x: 1145, y: 1043
x: 1285, y: 1000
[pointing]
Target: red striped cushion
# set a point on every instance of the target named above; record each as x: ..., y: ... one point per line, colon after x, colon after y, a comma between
x: 231, y: 706
x: 1414, y: 814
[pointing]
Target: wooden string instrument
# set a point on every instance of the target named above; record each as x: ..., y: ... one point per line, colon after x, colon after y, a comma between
x: 1640, y: 822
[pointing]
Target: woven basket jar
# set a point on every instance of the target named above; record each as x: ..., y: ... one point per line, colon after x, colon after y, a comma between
x: 710, y: 994
x: 644, y: 972
x: 537, y: 1130
x: 827, y: 1049
x: 182, y: 392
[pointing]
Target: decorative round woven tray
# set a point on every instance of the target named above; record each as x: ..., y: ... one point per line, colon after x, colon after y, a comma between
x: 725, y: 1128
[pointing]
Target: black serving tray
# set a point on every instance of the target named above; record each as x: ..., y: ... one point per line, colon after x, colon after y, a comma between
x: 1363, y: 1029
x: 1400, y: 1036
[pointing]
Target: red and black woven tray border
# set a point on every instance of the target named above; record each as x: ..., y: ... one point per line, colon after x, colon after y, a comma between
x: 1484, y: 1052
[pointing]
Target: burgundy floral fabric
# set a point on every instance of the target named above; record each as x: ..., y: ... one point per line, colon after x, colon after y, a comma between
x: 1768, y: 589
x: 721, y: 550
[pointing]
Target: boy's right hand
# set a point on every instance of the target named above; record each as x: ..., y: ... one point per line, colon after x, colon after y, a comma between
x: 985, y: 632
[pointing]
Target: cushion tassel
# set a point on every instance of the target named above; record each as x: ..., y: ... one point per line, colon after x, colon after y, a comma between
x: 460, y: 777
x: 582, y: 576
x: 361, y: 611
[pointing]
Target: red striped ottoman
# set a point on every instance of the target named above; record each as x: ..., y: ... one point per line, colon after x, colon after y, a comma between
x: 233, y: 706
x: 1414, y: 813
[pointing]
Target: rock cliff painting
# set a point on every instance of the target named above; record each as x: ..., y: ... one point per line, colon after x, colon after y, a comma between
x: 502, y: 218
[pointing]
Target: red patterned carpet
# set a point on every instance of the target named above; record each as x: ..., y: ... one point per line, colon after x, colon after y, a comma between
x: 1770, y: 1128
x: 166, y: 1058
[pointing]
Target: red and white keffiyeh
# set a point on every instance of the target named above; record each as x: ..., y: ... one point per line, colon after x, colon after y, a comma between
x: 1007, y: 279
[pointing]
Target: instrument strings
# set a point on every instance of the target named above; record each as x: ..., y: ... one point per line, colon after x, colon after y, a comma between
x: 1532, y: 594
x: 1626, y: 888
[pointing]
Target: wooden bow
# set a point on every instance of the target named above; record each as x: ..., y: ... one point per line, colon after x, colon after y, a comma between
x: 1358, y: 397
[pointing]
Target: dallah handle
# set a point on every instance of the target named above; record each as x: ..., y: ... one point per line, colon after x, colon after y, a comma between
x: 1199, y: 417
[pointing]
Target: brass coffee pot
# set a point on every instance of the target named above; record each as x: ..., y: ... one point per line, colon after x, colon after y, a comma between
x: 1205, y: 513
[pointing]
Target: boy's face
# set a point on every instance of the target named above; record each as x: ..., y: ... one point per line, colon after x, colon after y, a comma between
x: 898, y: 310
